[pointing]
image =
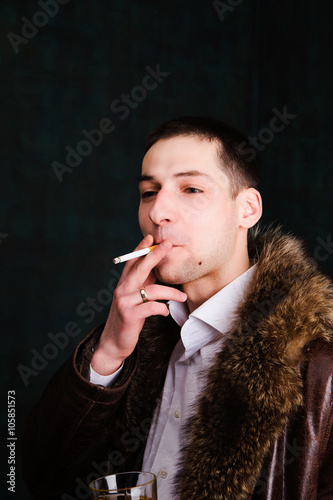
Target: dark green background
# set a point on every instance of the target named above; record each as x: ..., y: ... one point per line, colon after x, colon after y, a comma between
x: 61, y: 236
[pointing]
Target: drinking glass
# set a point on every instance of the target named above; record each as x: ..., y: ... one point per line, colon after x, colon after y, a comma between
x: 125, y: 486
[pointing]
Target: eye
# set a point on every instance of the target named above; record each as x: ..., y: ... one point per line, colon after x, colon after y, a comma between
x: 193, y: 190
x: 147, y: 194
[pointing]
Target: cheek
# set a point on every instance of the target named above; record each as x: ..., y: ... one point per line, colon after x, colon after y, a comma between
x: 142, y: 217
x: 209, y: 218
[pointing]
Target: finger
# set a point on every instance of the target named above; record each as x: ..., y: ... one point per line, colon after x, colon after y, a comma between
x: 152, y: 309
x: 161, y: 292
x: 140, y: 272
x: 147, y: 309
x: 145, y: 243
x: 154, y: 292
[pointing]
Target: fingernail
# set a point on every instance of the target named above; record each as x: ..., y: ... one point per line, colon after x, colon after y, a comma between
x: 165, y: 244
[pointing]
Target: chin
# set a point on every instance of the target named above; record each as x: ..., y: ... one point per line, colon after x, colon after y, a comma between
x: 167, y: 273
x: 168, y: 278
x: 174, y: 275
x: 175, y: 269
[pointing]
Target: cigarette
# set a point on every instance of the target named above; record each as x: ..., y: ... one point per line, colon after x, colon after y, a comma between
x: 133, y: 255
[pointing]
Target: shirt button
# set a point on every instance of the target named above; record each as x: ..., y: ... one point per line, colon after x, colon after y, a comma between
x: 163, y: 474
x: 177, y: 413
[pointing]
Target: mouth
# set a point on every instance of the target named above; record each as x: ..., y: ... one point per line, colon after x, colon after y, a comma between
x: 158, y: 241
x: 172, y: 245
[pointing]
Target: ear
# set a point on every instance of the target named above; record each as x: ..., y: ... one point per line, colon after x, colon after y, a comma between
x: 251, y: 207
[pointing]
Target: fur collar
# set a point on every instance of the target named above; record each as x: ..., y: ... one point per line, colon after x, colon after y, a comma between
x: 255, y: 385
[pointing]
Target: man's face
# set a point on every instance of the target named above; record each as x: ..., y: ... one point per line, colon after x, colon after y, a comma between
x: 185, y: 198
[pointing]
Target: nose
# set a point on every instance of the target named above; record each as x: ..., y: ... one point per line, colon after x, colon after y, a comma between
x: 163, y: 209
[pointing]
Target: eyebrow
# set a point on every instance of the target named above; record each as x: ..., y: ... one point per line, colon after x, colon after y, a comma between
x: 187, y: 173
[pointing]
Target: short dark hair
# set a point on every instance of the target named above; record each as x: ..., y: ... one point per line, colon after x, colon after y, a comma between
x: 241, y: 171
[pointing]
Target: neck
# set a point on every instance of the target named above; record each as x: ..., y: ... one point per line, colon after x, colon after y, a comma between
x: 202, y: 289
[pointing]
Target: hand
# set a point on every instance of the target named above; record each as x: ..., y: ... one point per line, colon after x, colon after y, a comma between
x: 128, y: 312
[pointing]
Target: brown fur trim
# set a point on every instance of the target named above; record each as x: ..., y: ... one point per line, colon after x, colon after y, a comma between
x: 255, y: 386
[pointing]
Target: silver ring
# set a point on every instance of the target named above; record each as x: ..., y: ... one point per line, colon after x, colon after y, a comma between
x: 144, y: 295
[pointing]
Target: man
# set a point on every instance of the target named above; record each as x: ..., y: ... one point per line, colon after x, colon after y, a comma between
x: 214, y: 369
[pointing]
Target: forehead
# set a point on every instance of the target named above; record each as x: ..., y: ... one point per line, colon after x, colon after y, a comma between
x: 179, y: 153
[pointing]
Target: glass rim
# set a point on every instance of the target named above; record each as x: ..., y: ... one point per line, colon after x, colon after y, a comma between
x: 154, y: 478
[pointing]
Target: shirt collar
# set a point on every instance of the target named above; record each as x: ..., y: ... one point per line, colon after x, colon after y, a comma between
x: 219, y: 310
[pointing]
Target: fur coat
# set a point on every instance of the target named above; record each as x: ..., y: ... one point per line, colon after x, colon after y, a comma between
x: 256, y: 394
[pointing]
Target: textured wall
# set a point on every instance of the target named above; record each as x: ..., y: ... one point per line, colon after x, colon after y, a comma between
x: 244, y: 62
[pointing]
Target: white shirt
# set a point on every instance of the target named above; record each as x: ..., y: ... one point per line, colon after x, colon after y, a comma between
x: 202, y: 334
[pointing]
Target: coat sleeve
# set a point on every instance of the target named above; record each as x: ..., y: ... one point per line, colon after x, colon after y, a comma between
x: 317, y: 426
x: 64, y: 432
x: 325, y: 484
x: 325, y: 477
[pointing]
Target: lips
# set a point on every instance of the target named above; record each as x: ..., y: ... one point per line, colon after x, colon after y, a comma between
x: 158, y: 242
